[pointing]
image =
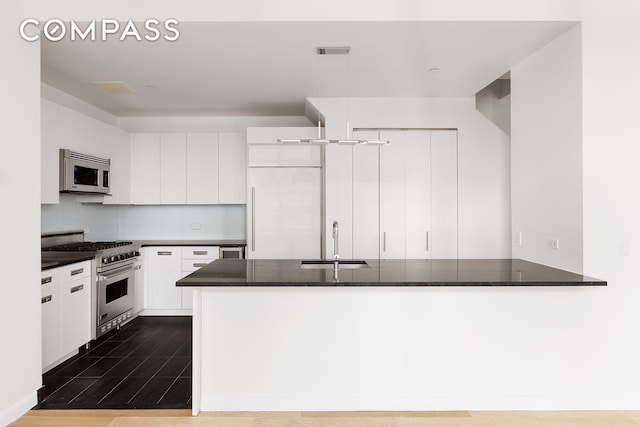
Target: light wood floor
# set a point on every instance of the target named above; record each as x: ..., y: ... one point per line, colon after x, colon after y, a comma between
x: 157, y: 418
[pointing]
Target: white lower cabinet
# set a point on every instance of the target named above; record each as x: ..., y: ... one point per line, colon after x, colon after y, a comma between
x: 51, y: 345
x: 194, y: 258
x: 66, y: 312
x: 75, y: 319
x: 163, y: 267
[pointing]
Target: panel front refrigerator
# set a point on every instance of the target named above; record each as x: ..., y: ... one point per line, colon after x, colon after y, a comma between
x: 284, y: 212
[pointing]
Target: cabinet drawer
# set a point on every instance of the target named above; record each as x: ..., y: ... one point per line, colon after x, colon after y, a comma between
x: 200, y: 252
x: 191, y: 265
x: 56, y: 276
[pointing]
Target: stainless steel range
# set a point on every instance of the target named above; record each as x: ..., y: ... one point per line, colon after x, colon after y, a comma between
x: 114, y: 276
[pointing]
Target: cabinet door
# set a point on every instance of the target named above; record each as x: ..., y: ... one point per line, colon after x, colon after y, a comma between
x: 50, y: 152
x: 163, y: 268
x: 118, y: 150
x: 418, y: 194
x: 75, y: 320
x: 283, y: 213
x: 366, y: 224
x: 194, y: 258
x: 50, y: 307
x: 145, y: 168
x: 444, y: 194
x: 202, y: 168
x: 392, y: 195
x: 232, y: 169
x: 173, y: 168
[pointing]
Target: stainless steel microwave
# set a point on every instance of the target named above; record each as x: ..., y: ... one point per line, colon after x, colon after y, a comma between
x: 82, y: 173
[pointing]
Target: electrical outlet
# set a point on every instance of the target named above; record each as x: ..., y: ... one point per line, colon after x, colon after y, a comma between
x: 519, y: 238
x: 553, y: 243
x: 624, y: 247
x: 195, y: 226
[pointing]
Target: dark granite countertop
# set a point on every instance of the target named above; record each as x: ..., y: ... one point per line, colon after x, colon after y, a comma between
x: 223, y: 243
x: 450, y: 272
x: 50, y: 260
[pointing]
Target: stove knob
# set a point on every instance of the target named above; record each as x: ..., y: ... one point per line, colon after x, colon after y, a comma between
x: 105, y: 260
x: 112, y: 258
x: 136, y: 253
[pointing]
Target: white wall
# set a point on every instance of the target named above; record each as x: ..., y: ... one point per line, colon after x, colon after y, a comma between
x: 546, y: 153
x: 591, y: 332
x: 20, y: 358
x: 483, y: 165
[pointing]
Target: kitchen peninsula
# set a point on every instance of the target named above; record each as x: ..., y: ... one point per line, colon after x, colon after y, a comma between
x: 396, y: 335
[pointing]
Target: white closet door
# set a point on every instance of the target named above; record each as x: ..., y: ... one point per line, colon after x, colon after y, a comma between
x: 366, y: 224
x: 392, y: 195
x: 418, y: 194
x: 444, y: 194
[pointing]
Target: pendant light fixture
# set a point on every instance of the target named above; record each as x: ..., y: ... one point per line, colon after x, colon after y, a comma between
x: 321, y: 140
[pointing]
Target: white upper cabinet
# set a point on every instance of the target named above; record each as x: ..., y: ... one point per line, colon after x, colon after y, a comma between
x: 118, y: 150
x: 270, y: 135
x: 232, y: 169
x: 173, y: 168
x: 202, y: 168
x: 145, y: 168
x: 49, y: 152
x: 188, y: 168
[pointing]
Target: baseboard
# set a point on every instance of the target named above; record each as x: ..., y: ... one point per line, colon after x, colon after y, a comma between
x: 169, y: 312
x: 18, y: 409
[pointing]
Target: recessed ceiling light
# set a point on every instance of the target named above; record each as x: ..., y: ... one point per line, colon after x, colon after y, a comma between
x: 434, y: 70
x: 114, y: 87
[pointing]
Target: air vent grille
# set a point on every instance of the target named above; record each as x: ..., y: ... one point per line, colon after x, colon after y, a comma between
x: 86, y: 157
x: 333, y: 50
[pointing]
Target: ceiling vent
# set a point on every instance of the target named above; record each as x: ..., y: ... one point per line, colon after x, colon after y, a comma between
x: 333, y: 50
x: 114, y: 87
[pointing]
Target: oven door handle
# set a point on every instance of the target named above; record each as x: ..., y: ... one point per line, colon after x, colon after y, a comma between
x: 112, y: 273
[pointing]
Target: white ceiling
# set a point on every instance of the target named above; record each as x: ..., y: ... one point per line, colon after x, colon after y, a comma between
x: 268, y: 68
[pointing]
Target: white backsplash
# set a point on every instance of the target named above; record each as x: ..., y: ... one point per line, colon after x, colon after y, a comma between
x: 104, y: 222
x: 178, y: 222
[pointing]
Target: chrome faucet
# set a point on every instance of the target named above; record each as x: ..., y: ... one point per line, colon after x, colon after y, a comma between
x: 336, y: 257
x: 335, y: 240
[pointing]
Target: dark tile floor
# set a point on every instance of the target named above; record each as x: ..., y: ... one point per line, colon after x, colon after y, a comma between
x: 145, y: 365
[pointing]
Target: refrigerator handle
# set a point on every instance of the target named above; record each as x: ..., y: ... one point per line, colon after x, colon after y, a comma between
x: 253, y: 219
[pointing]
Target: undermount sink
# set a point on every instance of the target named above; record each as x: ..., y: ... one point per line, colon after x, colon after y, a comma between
x: 329, y: 264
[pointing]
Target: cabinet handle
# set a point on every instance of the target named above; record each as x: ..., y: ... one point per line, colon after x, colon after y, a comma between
x: 384, y: 241
x: 427, y: 244
x: 46, y: 299
x: 76, y: 272
x: 137, y: 267
x: 253, y: 219
x: 200, y: 252
x: 77, y: 288
x: 165, y: 252
x: 199, y: 264
x: 46, y: 280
